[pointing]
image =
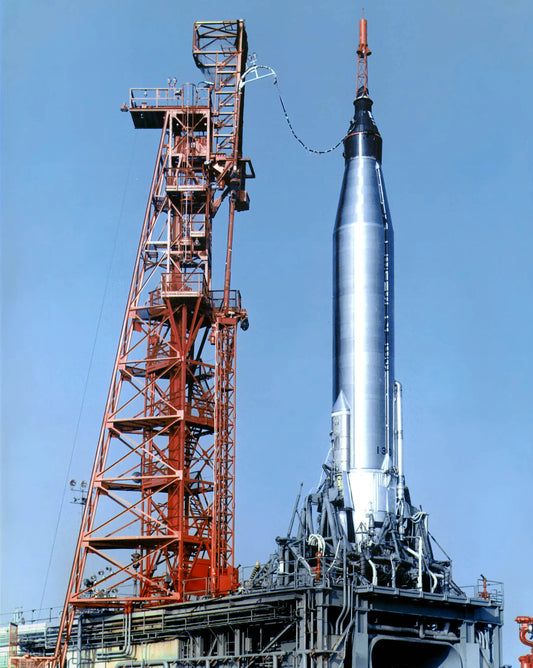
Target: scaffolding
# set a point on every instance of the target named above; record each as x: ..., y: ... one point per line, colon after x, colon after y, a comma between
x: 158, y: 526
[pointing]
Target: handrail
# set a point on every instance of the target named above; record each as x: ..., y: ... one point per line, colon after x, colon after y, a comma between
x: 187, y: 95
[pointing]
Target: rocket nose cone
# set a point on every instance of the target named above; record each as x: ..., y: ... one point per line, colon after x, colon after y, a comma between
x: 363, y: 136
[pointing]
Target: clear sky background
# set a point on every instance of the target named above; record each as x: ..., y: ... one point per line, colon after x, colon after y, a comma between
x: 451, y: 83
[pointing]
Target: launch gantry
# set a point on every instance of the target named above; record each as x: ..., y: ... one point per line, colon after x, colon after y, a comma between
x: 158, y: 522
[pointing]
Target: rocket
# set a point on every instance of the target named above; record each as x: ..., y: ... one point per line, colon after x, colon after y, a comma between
x: 364, y: 425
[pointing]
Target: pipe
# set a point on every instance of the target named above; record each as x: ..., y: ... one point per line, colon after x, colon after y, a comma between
x: 417, y: 555
x: 374, y: 572
x: 346, y: 605
x: 316, y: 540
x: 229, y: 251
x: 420, y: 632
x: 79, y: 639
x: 294, y: 511
x: 393, y: 563
x: 301, y: 559
x: 143, y: 663
x: 400, y: 492
x: 124, y: 652
x: 435, y: 579
x: 335, y: 557
x: 344, y: 596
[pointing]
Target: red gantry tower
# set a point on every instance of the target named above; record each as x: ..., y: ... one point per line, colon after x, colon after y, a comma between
x: 158, y: 523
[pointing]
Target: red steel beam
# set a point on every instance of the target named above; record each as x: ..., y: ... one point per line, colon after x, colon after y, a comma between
x: 158, y: 525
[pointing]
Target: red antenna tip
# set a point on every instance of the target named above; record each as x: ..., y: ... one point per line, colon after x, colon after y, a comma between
x: 363, y: 49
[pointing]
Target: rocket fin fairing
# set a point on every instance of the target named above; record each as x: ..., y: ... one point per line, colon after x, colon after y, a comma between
x: 340, y: 433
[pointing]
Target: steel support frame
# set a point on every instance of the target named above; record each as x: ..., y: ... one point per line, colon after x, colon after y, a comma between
x: 158, y: 522
x: 303, y: 626
x: 223, y: 508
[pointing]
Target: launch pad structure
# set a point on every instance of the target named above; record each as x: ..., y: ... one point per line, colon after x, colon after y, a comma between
x: 356, y: 581
x: 294, y: 621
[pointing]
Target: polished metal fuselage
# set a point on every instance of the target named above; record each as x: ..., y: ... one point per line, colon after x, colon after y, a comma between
x: 363, y: 351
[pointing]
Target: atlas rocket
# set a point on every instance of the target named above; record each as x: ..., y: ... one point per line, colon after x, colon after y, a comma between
x: 365, y: 414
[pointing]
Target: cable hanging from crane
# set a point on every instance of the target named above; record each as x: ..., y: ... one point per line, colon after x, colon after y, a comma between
x: 254, y: 69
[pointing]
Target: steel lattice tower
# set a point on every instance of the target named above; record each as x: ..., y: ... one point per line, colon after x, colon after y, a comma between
x: 158, y: 523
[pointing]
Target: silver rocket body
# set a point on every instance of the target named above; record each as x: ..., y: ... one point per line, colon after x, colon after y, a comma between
x: 363, y: 442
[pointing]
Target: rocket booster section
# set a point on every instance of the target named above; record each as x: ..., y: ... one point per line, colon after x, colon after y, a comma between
x: 363, y: 355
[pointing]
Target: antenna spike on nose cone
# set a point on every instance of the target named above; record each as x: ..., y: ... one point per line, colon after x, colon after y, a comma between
x: 362, y: 65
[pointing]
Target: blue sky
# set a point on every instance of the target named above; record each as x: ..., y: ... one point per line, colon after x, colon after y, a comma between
x: 451, y: 83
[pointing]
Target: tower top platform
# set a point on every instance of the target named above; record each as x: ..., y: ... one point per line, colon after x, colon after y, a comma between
x: 148, y: 106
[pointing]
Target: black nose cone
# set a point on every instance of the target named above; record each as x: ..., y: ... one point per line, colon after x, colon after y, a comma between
x: 363, y: 138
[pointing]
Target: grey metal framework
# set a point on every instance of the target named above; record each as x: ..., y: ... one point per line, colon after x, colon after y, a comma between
x: 294, y: 623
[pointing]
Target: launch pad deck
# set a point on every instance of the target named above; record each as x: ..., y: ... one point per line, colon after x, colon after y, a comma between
x: 290, y: 626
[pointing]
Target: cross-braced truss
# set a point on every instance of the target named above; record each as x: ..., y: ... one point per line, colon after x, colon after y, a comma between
x: 158, y: 522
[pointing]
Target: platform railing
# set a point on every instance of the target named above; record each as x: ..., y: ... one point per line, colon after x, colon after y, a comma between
x: 234, y: 302
x: 189, y: 95
x: 488, y: 590
x: 183, y: 285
